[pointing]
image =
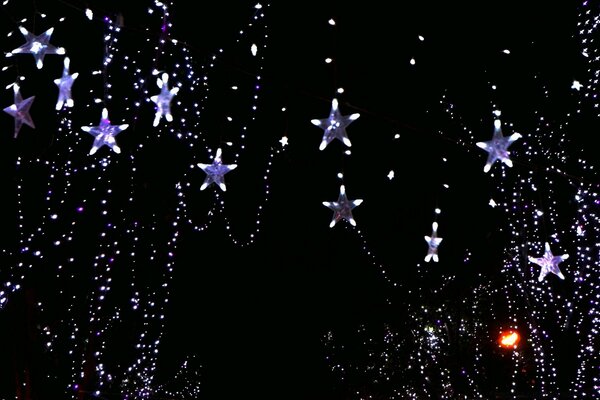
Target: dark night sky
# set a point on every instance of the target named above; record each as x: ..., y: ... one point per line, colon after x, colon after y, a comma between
x: 256, y: 316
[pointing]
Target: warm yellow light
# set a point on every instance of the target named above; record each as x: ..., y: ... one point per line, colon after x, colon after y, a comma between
x: 509, y: 339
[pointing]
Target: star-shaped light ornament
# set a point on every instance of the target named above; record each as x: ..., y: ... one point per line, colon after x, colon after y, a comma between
x: 64, y: 83
x: 335, y: 126
x: 163, y: 99
x: 342, y: 208
x: 105, y: 133
x: 497, y: 147
x: 38, y: 46
x: 433, y: 242
x: 576, y: 85
x: 20, y: 110
x: 216, y: 171
x: 549, y: 263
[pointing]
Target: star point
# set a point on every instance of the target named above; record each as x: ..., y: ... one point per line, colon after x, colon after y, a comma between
x: 105, y: 133
x: 334, y: 126
x: 549, y: 263
x: 497, y: 147
x: 37, y: 45
x: 20, y: 110
x: 216, y: 171
x: 342, y: 208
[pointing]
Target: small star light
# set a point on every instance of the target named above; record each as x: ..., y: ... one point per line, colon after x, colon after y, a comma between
x: 549, y: 263
x: 163, y: 100
x: 20, y: 110
x: 335, y: 126
x: 64, y: 84
x: 342, y: 208
x: 39, y: 46
x: 433, y: 242
x: 215, y: 172
x: 105, y: 133
x: 497, y: 147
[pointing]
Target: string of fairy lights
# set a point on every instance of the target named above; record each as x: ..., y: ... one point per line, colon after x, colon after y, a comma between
x: 391, y: 364
x: 160, y: 74
x: 583, y: 319
x: 531, y: 219
x: 141, y: 270
x: 530, y: 197
x: 254, y: 40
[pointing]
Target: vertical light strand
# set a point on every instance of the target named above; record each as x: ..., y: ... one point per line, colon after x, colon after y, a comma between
x: 585, y: 313
x: 238, y: 117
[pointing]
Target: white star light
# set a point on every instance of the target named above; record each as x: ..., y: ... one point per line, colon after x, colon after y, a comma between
x: 342, y: 208
x: 20, y: 110
x: 105, y: 133
x: 335, y: 125
x: 215, y: 172
x: 497, y: 147
x: 549, y: 263
x: 64, y: 84
x: 39, y: 46
x: 433, y: 242
x: 163, y: 99
x: 576, y: 85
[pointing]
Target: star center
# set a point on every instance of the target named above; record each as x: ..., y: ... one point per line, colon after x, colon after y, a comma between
x: 36, y: 47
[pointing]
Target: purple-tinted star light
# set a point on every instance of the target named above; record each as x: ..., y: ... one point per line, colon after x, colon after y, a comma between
x: 20, y: 110
x: 105, y: 133
x: 342, y: 208
x: 549, y: 263
x: 163, y: 99
x: 215, y: 172
x: 334, y: 126
x: 39, y: 46
x: 64, y: 84
x: 433, y: 242
x: 497, y: 148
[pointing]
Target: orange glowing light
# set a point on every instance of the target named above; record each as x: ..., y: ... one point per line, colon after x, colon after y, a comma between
x: 509, y: 339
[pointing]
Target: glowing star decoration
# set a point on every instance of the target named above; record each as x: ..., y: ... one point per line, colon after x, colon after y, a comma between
x: 549, y: 263
x: 39, y: 46
x: 105, y: 133
x: 216, y: 171
x: 433, y: 242
x: 342, y: 208
x: 335, y: 126
x: 163, y: 99
x: 576, y: 85
x: 64, y: 84
x: 497, y: 147
x: 20, y: 110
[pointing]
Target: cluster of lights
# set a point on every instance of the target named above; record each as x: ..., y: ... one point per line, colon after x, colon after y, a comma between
x: 529, y: 183
x: 527, y: 197
x: 94, y: 214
